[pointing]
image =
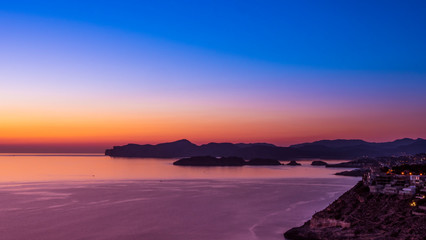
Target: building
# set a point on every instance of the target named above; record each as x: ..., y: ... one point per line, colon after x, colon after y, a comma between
x: 411, y: 190
x: 389, y: 189
x: 416, y: 180
x: 383, y: 179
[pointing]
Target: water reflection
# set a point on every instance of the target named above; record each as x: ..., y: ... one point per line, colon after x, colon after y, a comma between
x: 51, y: 167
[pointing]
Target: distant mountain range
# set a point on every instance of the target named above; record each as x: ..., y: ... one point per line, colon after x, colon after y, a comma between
x: 326, y: 149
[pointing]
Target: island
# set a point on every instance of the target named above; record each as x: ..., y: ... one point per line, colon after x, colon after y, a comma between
x: 207, y: 161
x: 293, y: 163
x: 263, y: 161
x: 318, y: 163
x: 210, y: 161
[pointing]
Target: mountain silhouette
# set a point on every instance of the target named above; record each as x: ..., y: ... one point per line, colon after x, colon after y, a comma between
x: 326, y: 149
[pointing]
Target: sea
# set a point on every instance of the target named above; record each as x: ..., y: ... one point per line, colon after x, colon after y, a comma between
x: 92, y: 196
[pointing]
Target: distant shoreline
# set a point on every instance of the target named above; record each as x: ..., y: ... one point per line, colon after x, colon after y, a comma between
x: 51, y: 155
x: 324, y: 149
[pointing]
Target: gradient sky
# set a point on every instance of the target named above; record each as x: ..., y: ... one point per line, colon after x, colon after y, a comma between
x: 86, y: 75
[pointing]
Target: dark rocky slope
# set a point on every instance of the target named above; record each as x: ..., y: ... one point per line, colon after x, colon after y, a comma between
x: 359, y: 214
x: 352, y: 173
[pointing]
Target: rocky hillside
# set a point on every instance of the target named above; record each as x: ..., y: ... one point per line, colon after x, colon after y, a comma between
x: 359, y: 214
x: 326, y: 149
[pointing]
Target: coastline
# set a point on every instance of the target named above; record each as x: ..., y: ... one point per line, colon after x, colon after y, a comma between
x: 359, y: 214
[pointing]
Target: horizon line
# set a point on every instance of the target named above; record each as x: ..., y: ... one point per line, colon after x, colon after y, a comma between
x: 99, y: 148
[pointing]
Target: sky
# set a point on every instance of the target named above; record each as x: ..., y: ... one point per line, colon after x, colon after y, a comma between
x: 82, y: 76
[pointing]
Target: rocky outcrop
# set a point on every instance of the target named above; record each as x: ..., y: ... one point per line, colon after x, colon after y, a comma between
x: 318, y: 163
x: 358, y: 163
x: 353, y: 173
x: 263, y: 161
x: 359, y: 214
x: 293, y: 163
x: 327, y: 223
x: 210, y: 161
x: 224, y: 161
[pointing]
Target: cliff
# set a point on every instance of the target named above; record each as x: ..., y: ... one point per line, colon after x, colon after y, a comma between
x: 359, y: 214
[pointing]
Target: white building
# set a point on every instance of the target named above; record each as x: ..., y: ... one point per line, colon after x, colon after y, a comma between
x: 411, y: 190
x: 415, y: 180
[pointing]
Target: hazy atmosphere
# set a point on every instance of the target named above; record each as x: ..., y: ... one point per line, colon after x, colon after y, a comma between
x: 86, y: 75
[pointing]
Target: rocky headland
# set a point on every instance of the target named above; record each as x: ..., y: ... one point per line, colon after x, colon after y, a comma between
x: 357, y: 163
x: 359, y: 214
x: 353, y: 173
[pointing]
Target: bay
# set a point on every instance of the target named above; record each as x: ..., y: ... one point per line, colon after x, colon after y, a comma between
x: 99, y: 197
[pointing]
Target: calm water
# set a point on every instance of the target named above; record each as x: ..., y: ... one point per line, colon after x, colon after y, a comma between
x: 29, y: 167
x: 98, y: 197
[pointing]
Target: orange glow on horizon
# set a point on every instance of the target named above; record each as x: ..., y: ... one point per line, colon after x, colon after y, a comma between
x: 200, y: 122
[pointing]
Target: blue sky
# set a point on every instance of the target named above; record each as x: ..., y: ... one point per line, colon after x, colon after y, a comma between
x: 248, y: 71
x: 343, y: 35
